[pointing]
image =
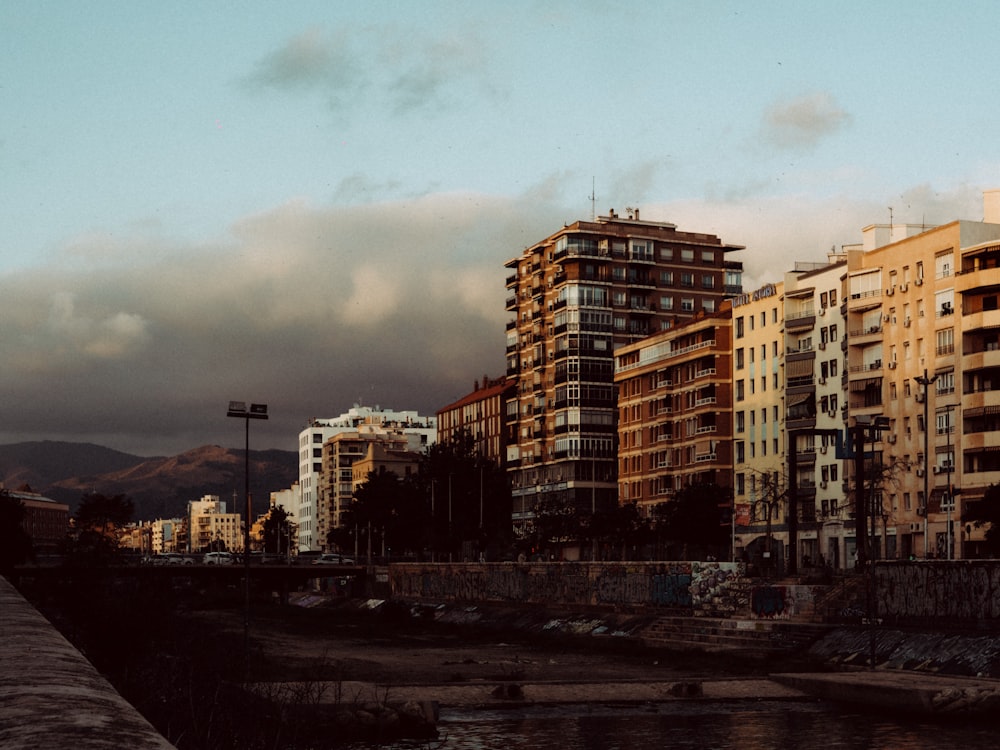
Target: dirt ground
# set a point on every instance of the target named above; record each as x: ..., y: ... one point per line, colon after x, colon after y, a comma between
x: 343, y: 643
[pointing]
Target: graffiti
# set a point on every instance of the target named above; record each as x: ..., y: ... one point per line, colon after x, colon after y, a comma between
x: 768, y: 602
x: 712, y: 589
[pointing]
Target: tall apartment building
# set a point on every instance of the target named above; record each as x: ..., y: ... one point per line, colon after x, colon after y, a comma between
x: 923, y: 303
x: 759, y: 408
x: 481, y: 414
x: 675, y: 410
x: 313, y: 521
x: 576, y: 296
x: 816, y: 406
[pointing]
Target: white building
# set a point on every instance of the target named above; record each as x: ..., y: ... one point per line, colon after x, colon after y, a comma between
x: 420, y: 431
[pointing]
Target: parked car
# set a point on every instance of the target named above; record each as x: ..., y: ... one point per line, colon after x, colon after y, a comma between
x: 171, y: 558
x: 218, y: 558
x: 332, y: 558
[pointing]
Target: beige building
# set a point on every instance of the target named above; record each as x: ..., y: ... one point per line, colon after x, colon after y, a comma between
x: 675, y: 411
x: 340, y: 454
x: 575, y: 297
x: 760, y: 385
x: 209, y: 524
x: 922, y: 303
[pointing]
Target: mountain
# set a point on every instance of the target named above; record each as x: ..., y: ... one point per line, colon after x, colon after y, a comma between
x: 160, y: 487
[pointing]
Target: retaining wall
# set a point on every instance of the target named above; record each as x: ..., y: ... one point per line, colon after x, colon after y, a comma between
x: 51, y: 697
x: 939, y: 592
x: 715, y: 589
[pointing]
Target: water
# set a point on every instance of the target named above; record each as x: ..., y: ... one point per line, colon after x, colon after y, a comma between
x: 770, y: 725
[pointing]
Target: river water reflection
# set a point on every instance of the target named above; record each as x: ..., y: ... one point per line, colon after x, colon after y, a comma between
x: 687, y: 725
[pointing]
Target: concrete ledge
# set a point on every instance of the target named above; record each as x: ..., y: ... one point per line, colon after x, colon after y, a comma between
x: 51, y: 697
x: 901, y: 691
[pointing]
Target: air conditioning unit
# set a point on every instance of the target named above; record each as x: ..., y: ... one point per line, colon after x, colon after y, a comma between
x: 920, y: 472
x: 822, y: 345
x: 919, y: 281
x: 921, y: 512
x: 892, y: 365
x: 906, y: 323
x: 891, y: 439
x: 822, y: 311
x: 902, y: 287
x: 890, y: 291
x: 823, y: 484
x: 822, y: 381
x: 822, y: 449
x: 920, y: 398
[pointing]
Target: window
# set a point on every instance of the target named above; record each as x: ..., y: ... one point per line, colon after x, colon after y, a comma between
x: 687, y: 255
x: 740, y: 390
x: 945, y: 383
x: 739, y: 327
x: 707, y: 281
x: 945, y: 341
x: 708, y: 305
x: 687, y: 304
x: 740, y: 422
x: 667, y: 278
x: 666, y: 253
x: 687, y: 280
x: 708, y: 256
x: 666, y: 303
x: 740, y: 354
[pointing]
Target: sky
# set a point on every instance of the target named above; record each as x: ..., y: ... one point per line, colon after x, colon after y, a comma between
x: 310, y: 204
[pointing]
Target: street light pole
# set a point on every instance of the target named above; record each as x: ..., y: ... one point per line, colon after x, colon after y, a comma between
x: 925, y: 381
x: 238, y: 410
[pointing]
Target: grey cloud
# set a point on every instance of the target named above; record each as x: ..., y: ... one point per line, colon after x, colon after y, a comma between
x: 802, y: 122
x: 309, y: 309
x: 309, y: 60
x: 385, y: 64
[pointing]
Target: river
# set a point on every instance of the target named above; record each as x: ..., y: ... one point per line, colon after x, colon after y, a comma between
x: 691, y: 725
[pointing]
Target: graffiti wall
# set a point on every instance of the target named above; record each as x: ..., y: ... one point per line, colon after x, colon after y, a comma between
x: 956, y: 591
x: 710, y: 588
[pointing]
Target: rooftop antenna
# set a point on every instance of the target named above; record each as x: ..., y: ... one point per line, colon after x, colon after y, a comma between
x: 890, y: 220
x: 593, y: 198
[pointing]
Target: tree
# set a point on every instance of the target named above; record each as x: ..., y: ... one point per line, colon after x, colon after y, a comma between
x: 278, y: 530
x: 986, y: 512
x: 15, y: 544
x: 99, y: 520
x: 692, y: 521
x: 617, y: 529
x: 468, y: 497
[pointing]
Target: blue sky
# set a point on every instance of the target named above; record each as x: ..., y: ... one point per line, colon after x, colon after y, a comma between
x: 311, y: 203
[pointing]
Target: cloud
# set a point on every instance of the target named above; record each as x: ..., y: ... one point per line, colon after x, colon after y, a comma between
x: 308, y: 60
x: 415, y: 72
x: 802, y: 122
x: 307, y: 308
x: 311, y: 308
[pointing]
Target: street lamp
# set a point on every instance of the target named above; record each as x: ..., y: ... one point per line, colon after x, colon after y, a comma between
x: 925, y: 381
x: 239, y: 410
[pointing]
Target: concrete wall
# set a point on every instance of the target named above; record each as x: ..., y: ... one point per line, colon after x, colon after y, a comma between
x: 708, y: 589
x: 942, y: 592
x: 51, y: 697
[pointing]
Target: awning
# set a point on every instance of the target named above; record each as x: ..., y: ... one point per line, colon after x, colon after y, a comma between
x: 863, y: 385
x: 796, y: 399
x: 799, y: 368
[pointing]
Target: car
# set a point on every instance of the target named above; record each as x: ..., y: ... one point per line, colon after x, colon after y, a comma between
x: 218, y: 558
x: 332, y: 558
x: 171, y: 558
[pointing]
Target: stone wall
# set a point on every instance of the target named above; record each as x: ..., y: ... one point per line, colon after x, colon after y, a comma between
x: 704, y: 588
x: 51, y: 696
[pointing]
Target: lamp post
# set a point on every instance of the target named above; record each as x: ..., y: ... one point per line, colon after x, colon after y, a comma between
x: 239, y: 410
x: 925, y: 381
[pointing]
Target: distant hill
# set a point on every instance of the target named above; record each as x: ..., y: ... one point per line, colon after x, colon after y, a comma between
x: 160, y: 487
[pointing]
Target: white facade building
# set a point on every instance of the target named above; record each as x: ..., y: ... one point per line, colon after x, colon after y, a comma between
x: 421, y: 432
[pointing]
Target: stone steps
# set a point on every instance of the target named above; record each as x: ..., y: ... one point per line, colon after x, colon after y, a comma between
x: 712, y: 634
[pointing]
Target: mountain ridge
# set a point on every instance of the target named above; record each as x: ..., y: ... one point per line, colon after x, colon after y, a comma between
x: 159, y: 486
